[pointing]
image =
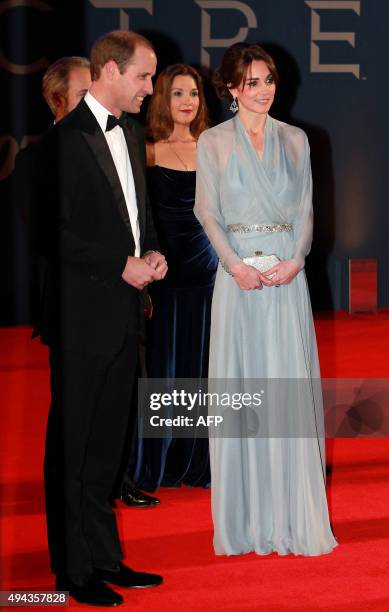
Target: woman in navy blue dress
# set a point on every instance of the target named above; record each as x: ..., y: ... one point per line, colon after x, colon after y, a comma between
x: 178, y: 332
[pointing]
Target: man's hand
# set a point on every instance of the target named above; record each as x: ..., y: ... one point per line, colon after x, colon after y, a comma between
x: 281, y: 274
x: 246, y: 277
x: 157, y: 261
x: 139, y: 273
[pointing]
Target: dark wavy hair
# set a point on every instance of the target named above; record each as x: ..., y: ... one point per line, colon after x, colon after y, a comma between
x: 159, y: 123
x: 235, y: 65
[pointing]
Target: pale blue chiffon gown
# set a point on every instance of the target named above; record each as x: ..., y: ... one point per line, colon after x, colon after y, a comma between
x: 268, y: 494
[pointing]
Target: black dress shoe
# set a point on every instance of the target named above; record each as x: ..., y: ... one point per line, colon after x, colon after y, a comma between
x: 133, y: 497
x: 93, y: 592
x: 126, y: 577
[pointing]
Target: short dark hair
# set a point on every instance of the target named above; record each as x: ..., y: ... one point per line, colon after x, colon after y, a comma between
x: 159, y: 119
x: 235, y: 64
x: 56, y: 78
x: 118, y: 46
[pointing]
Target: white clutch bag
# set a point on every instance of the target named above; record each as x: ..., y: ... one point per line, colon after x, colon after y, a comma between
x: 262, y: 262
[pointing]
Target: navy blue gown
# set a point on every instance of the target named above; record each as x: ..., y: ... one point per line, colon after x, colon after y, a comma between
x: 178, y: 333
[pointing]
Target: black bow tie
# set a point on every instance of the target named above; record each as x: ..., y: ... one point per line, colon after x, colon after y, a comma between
x: 113, y: 122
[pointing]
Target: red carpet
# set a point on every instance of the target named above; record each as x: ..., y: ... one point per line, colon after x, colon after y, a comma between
x: 176, y: 538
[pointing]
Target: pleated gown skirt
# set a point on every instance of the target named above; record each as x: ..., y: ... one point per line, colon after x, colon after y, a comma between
x: 268, y: 493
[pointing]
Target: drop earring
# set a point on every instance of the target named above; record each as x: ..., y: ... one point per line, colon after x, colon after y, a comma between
x: 234, y: 106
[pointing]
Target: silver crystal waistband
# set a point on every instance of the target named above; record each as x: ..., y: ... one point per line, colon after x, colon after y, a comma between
x: 268, y: 229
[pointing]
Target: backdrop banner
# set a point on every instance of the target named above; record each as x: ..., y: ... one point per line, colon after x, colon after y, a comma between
x: 331, y: 56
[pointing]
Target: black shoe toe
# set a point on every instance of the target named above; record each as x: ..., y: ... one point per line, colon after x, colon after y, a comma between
x: 128, y: 578
x: 93, y: 591
x: 134, y: 498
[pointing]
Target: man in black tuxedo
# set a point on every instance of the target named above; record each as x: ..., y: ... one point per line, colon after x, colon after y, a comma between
x: 64, y: 84
x: 93, y: 226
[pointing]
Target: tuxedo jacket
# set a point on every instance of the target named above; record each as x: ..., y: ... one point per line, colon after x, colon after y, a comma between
x: 23, y: 177
x: 82, y: 229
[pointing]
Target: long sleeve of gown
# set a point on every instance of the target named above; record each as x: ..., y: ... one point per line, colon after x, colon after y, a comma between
x: 207, y: 205
x: 303, y: 221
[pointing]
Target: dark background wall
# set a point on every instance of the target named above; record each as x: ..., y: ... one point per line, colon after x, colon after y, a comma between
x: 332, y: 57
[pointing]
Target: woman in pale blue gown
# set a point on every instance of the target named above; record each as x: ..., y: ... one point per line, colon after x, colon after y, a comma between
x: 254, y: 193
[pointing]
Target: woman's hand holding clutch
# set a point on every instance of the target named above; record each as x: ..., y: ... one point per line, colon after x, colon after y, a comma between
x: 247, y: 277
x: 281, y: 274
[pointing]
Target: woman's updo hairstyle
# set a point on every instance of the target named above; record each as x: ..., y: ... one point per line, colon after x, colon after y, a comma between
x: 235, y: 65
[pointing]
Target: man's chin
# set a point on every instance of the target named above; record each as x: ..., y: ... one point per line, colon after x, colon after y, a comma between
x: 134, y: 107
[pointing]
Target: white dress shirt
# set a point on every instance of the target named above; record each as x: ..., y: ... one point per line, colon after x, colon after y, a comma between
x: 118, y: 147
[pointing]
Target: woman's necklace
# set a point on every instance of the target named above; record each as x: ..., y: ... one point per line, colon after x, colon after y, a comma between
x: 178, y: 156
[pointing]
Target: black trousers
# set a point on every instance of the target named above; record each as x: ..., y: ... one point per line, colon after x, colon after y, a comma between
x: 87, y: 425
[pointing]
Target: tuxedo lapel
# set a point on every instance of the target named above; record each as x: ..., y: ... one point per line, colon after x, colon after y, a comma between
x: 98, y: 145
x: 138, y: 174
x: 101, y: 152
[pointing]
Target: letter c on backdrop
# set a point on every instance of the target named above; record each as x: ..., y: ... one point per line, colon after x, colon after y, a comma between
x: 36, y: 65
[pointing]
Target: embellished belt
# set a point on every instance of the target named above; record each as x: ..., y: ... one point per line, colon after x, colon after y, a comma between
x: 268, y: 229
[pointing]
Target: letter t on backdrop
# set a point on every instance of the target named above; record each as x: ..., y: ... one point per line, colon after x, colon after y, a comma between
x: 147, y: 5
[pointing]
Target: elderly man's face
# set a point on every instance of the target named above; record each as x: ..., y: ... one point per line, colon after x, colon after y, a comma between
x: 79, y: 83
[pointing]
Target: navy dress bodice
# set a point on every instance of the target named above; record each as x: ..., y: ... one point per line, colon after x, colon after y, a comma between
x: 191, y: 259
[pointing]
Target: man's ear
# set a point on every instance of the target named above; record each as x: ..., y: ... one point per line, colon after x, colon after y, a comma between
x: 111, y: 70
x: 61, y: 104
x: 59, y: 100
